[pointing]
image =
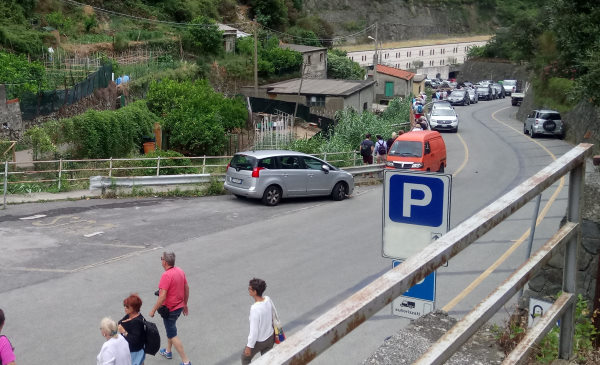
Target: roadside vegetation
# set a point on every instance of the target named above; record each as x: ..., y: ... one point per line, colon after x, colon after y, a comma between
x: 559, y: 40
x: 546, y: 351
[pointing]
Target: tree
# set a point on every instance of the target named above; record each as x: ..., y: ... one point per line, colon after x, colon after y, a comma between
x: 270, y: 13
x: 339, y: 66
x: 195, y: 117
x: 204, y: 36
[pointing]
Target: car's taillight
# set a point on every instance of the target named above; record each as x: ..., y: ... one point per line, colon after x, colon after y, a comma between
x: 537, y: 121
x: 256, y: 170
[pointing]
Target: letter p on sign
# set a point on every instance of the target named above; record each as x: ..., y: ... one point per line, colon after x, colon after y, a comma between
x: 410, y: 200
x: 416, y: 200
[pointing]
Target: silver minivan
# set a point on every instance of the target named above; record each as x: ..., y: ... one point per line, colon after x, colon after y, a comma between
x: 271, y: 175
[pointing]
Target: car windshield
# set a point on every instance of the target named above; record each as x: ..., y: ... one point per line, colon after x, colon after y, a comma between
x: 550, y: 116
x: 443, y: 112
x: 243, y: 162
x: 510, y: 82
x: 458, y: 93
x: 482, y: 89
x: 406, y: 149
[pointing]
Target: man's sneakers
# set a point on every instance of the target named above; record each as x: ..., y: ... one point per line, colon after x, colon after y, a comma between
x: 167, y: 355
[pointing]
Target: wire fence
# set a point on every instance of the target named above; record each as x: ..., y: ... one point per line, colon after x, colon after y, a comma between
x: 65, y: 175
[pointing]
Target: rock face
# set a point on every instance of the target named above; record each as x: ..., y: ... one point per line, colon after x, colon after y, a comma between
x: 400, y: 20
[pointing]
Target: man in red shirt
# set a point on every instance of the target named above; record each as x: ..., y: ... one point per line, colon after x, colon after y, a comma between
x: 173, y: 293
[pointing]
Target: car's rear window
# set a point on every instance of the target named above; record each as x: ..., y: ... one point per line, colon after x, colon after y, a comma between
x: 458, y: 93
x: 243, y: 162
x: 550, y: 116
x: 510, y: 82
x: 482, y: 88
x: 406, y: 149
x: 443, y: 112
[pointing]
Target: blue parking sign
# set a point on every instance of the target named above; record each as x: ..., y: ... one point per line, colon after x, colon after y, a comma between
x: 416, y: 211
x: 421, y: 200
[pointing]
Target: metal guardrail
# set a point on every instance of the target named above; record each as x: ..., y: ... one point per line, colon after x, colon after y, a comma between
x: 103, y: 182
x: 306, y: 344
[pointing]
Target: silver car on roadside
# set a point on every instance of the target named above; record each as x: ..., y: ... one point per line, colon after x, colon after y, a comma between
x: 441, y: 119
x: 544, y: 122
x: 271, y: 175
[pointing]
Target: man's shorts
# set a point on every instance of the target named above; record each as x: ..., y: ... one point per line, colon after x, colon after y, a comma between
x: 170, y: 322
x: 368, y: 159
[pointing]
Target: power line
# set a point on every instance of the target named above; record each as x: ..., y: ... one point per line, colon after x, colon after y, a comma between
x: 334, y: 39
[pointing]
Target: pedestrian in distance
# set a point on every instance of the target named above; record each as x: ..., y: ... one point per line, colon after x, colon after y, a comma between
x: 132, y: 328
x: 366, y: 149
x: 115, y: 350
x: 7, y: 352
x: 380, y: 149
x: 261, y: 335
x: 173, y: 292
x: 390, y: 141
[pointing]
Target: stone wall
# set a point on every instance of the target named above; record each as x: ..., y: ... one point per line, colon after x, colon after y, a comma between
x: 11, y: 124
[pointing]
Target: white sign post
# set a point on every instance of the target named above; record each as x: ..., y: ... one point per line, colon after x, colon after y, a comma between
x: 416, y: 211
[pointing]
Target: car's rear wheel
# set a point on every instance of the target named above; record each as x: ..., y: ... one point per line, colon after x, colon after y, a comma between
x: 272, y: 195
x: 531, y: 132
x: 525, y: 129
x: 339, y: 192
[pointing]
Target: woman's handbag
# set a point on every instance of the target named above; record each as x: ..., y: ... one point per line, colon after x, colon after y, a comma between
x: 277, y: 328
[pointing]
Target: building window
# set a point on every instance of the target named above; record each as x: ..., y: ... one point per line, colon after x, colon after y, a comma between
x: 321, y: 57
x: 441, y: 62
x: 407, y: 64
x: 408, y: 54
x: 431, y: 63
x: 308, y: 61
x: 315, y: 100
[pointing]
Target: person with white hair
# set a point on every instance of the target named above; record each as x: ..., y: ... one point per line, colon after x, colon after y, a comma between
x: 115, y: 351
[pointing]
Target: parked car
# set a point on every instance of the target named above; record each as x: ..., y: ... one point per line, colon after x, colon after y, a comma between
x: 459, y: 97
x: 473, y: 98
x: 510, y: 86
x: 546, y: 122
x: 484, y: 92
x: 443, y: 119
x: 271, y: 175
x: 418, y: 150
x: 485, y: 82
x: 499, y: 91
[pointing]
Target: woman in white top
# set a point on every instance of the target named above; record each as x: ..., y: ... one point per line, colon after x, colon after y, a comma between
x: 115, y: 351
x: 260, y: 338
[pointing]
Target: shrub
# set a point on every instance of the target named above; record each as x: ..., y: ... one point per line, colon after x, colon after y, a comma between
x: 184, y: 163
x: 195, y: 117
x: 97, y: 134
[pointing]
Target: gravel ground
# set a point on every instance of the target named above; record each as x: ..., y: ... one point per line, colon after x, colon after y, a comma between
x: 406, y: 346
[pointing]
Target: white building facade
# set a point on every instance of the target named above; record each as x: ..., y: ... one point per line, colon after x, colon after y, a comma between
x: 436, y: 58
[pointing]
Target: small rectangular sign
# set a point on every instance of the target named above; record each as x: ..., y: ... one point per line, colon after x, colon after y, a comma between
x: 416, y: 301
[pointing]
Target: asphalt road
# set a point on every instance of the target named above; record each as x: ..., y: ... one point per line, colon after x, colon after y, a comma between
x: 61, y: 273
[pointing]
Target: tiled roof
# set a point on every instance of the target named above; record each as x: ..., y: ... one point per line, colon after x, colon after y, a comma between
x: 396, y: 72
x: 318, y: 87
x: 301, y: 48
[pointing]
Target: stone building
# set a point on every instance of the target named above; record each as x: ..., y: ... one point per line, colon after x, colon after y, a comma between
x: 314, y: 60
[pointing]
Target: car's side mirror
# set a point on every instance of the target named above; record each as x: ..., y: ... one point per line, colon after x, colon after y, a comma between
x: 427, y: 149
x: 325, y: 168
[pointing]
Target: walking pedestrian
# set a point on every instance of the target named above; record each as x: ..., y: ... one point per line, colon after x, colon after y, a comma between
x: 366, y: 149
x: 115, y: 350
x: 260, y: 337
x: 380, y: 149
x: 173, y: 293
x: 7, y: 354
x: 132, y: 328
x: 391, y: 140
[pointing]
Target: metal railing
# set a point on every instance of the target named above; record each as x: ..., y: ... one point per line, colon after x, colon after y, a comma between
x: 304, y: 345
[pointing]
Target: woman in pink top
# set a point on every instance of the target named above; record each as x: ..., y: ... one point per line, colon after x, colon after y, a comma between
x: 7, y: 355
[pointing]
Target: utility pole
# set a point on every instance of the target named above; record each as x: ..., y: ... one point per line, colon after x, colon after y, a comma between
x: 299, y: 90
x: 255, y: 58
